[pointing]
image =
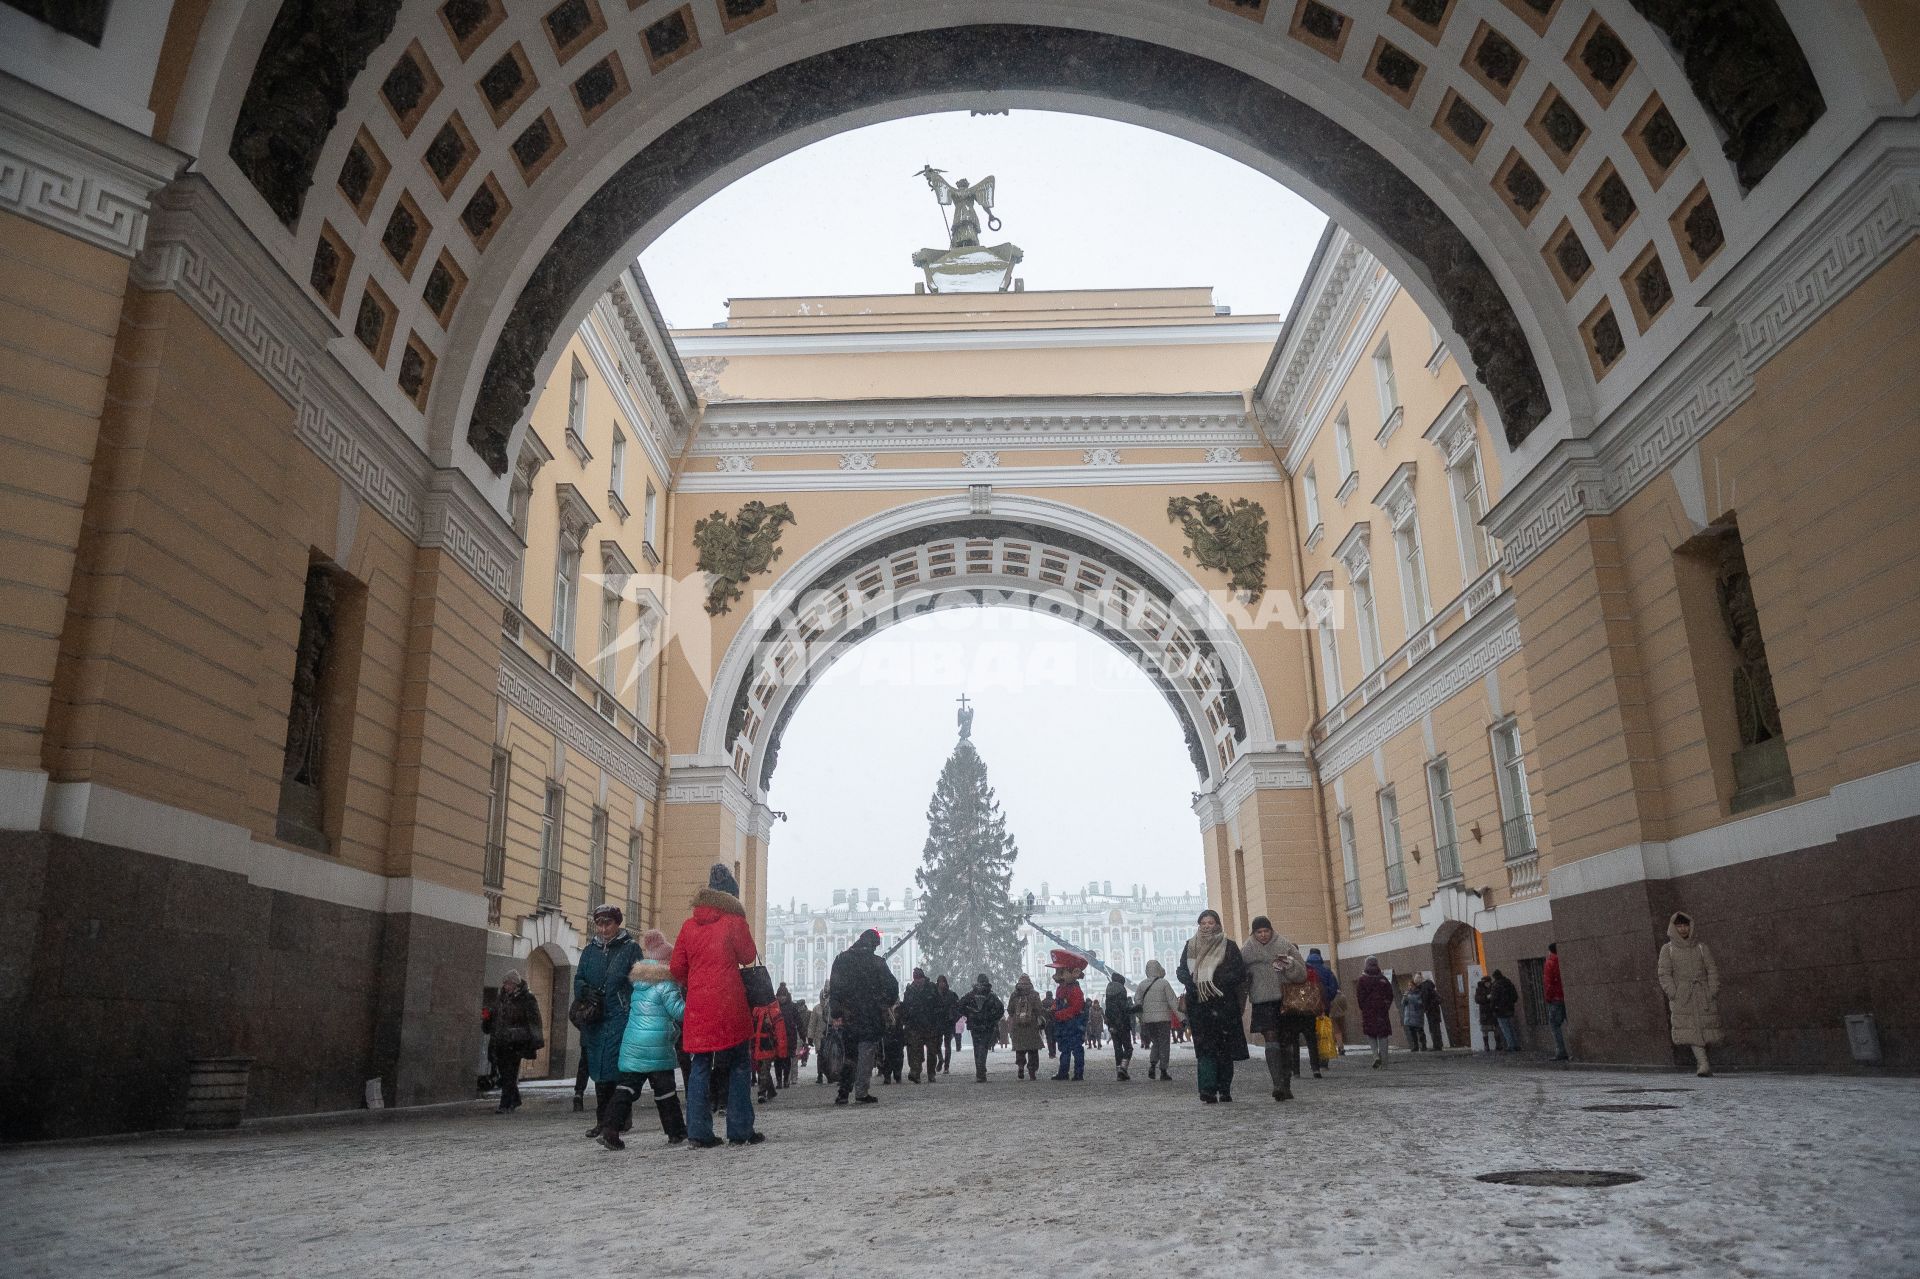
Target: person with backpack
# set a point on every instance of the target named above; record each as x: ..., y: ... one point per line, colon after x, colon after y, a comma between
x: 983, y: 1010
x: 1118, y: 1011
x: 1505, y: 1000
x: 1333, y: 1009
x: 713, y: 945
x: 599, y: 1010
x: 1155, y: 1000
x: 649, y: 1046
x: 1027, y: 1014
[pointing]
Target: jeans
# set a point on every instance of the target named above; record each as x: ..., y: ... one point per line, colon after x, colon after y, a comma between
x: 1159, y: 1037
x: 1509, y: 1037
x: 737, y: 1064
x: 1557, y: 1018
x: 1073, y: 1053
x: 982, y: 1045
x: 1122, y: 1046
x: 856, y: 1068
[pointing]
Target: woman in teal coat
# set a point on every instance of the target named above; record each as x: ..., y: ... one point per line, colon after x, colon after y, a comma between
x: 603, y: 966
x: 649, y: 1048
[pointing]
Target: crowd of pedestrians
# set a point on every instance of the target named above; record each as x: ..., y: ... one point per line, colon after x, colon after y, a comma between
x: 652, y: 1014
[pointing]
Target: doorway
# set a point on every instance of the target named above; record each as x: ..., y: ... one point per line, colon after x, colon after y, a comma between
x: 540, y: 982
x: 1460, y: 945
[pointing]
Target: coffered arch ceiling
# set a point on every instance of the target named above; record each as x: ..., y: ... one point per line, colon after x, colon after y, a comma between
x: 1559, y: 179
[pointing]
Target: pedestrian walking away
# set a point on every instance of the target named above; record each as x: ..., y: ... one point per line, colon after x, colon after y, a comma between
x: 1413, y: 1018
x: 983, y: 1011
x: 1274, y: 965
x: 1334, y: 1009
x: 1430, y: 1007
x: 1154, y: 1002
x: 601, y: 990
x: 859, y: 993
x: 1046, y: 1027
x: 708, y: 954
x: 1096, y: 1023
x: 648, y: 1045
x: 1069, y: 1014
x: 1504, y: 1000
x: 1691, y: 981
x: 819, y: 1022
x: 1556, y: 997
x: 949, y: 1023
x: 1117, y: 1007
x: 1215, y: 977
x: 1027, y: 1015
x: 517, y: 1037
x: 1374, y: 993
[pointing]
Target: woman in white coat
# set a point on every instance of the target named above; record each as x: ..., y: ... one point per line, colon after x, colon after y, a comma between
x: 1692, y: 983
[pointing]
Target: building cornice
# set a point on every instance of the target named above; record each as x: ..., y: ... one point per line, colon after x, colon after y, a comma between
x: 834, y: 426
x: 690, y: 782
x: 532, y: 689
x: 733, y: 343
x: 1286, y: 768
x: 1866, y: 210
x: 79, y: 173
x: 1480, y: 644
x: 1360, y: 317
x: 1175, y: 474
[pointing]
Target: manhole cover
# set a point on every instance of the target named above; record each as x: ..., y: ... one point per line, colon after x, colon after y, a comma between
x: 1575, y: 1178
x: 1627, y: 1108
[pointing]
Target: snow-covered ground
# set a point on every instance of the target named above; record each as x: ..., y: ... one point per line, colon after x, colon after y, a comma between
x: 1369, y: 1173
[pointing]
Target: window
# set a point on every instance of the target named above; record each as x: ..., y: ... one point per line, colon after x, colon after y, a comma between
x: 495, y: 872
x: 617, y: 474
x: 551, y: 834
x: 1433, y: 339
x: 643, y: 667
x: 1446, y: 833
x: 1468, y: 483
x: 1366, y: 615
x: 1330, y: 664
x: 651, y: 512
x: 1390, y: 839
x: 577, y: 407
x: 1343, y: 445
x: 636, y: 877
x: 566, y: 586
x: 1350, y: 859
x: 609, y: 637
x: 1310, y: 495
x: 324, y: 679
x: 1413, y: 573
x: 519, y: 503
x: 1516, y: 807
x: 1384, y: 380
x: 597, y: 861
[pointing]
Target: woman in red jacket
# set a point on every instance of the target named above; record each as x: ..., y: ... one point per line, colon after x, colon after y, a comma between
x: 707, y: 957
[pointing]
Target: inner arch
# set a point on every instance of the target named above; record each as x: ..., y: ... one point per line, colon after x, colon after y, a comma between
x: 840, y: 83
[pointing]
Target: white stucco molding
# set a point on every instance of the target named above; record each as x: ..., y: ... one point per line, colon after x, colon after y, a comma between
x: 1480, y: 644
x: 79, y: 173
x: 528, y: 686
x: 693, y: 780
x: 1864, y: 212
x: 1885, y: 797
x: 1056, y: 422
x: 1165, y: 474
x: 90, y: 811
x: 1283, y: 767
x: 548, y: 930
x: 696, y: 343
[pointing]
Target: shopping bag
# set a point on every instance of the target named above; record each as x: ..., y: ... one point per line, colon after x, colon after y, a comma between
x: 1323, y: 1026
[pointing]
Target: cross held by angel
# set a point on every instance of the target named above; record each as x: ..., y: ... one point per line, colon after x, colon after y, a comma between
x: 965, y: 199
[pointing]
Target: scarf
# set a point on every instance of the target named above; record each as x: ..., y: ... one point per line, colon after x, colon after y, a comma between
x: 1203, y: 957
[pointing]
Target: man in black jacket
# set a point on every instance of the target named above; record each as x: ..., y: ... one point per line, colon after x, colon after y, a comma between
x: 983, y: 1011
x: 921, y: 1004
x: 861, y: 990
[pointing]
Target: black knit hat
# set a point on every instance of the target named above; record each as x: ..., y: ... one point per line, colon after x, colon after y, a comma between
x: 722, y: 878
x: 1259, y: 922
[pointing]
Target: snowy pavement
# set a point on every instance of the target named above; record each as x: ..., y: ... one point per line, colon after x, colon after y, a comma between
x: 1369, y: 1173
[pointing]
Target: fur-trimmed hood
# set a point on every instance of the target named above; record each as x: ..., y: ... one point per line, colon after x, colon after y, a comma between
x: 649, y: 970
x: 725, y: 903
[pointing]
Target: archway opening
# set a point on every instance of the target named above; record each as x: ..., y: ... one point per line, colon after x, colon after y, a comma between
x: 1081, y: 748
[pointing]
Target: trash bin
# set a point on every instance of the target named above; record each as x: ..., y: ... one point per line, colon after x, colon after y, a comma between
x: 1863, y: 1037
x: 217, y: 1091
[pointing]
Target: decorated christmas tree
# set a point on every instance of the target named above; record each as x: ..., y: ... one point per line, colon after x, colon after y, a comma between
x: 968, y: 920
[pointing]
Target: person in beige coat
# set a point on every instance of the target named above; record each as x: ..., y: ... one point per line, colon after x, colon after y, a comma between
x: 1154, y: 1001
x: 1692, y: 983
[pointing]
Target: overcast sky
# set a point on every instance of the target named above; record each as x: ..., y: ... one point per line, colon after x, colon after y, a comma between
x: 1094, y: 204
x: 1087, y: 757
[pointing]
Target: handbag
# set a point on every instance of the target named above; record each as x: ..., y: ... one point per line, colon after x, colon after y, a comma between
x: 590, y: 1006
x: 1301, y: 999
x: 759, y: 985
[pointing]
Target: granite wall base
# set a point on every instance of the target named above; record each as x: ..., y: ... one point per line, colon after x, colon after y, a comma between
x: 116, y: 967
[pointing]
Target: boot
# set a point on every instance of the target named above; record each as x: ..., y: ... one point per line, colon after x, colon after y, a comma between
x: 579, y: 1103
x: 672, y: 1122
x: 1277, y: 1072
x: 609, y: 1138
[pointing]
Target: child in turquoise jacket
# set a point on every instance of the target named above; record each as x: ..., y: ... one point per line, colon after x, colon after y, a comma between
x: 649, y: 1047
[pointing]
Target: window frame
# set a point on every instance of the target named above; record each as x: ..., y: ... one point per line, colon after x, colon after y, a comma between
x: 1392, y: 842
